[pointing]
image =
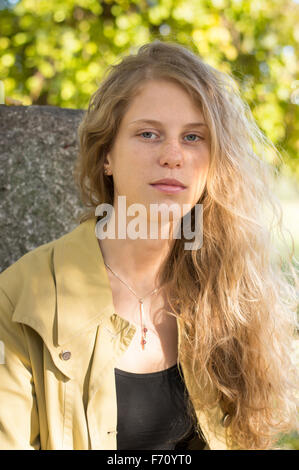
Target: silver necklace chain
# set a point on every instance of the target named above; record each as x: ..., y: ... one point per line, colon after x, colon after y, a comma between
x: 139, y: 298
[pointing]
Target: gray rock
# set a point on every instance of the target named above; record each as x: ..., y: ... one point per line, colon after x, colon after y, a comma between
x: 39, y: 201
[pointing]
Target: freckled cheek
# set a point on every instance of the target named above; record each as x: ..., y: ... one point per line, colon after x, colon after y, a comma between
x: 132, y: 173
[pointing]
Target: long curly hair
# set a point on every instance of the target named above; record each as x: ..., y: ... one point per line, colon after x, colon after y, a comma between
x: 236, y: 296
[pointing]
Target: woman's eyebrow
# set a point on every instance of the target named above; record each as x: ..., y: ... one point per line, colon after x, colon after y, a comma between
x: 152, y: 121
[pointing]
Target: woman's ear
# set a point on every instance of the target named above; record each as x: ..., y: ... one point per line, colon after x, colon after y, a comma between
x: 107, y: 165
x: 108, y: 159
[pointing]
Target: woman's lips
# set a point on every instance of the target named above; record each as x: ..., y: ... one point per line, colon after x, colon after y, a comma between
x: 168, y: 188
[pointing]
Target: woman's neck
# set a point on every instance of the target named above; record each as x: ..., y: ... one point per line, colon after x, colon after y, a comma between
x: 137, y: 262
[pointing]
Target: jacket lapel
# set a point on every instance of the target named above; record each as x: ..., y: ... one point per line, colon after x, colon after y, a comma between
x: 113, y: 338
x: 65, y: 295
x: 83, y: 290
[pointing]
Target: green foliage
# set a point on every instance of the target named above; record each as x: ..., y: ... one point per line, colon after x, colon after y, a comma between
x: 289, y: 442
x: 55, y: 52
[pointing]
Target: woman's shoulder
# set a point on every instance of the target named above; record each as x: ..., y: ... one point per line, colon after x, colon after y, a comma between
x: 27, y: 269
x: 36, y: 270
x: 37, y: 263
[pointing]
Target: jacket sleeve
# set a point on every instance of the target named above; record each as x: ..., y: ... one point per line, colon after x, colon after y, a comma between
x: 19, y: 425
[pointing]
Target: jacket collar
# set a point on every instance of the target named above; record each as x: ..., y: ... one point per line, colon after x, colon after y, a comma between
x: 83, y: 289
x: 64, y: 290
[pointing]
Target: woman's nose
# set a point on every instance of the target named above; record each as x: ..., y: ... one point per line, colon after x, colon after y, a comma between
x: 171, y: 155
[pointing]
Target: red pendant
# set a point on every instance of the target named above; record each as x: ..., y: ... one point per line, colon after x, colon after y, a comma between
x: 145, y: 330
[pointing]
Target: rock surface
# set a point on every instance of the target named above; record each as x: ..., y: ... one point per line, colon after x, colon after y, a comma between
x: 39, y: 201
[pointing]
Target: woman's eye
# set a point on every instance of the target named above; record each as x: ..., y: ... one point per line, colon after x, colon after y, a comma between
x: 146, y: 134
x: 194, y: 135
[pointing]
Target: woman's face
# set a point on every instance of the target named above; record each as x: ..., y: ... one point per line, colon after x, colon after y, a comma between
x: 174, y: 145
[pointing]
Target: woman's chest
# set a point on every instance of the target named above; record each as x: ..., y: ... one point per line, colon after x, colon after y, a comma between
x: 160, y: 350
x: 161, y: 347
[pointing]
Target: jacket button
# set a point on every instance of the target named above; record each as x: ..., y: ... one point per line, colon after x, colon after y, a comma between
x: 226, y: 420
x: 65, y: 355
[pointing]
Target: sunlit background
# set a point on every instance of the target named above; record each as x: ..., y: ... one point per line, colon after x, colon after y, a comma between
x: 55, y: 53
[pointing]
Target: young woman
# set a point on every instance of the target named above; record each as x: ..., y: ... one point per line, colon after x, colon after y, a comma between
x: 121, y: 342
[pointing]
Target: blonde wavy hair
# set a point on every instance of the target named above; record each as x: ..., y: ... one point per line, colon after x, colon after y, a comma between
x: 236, y: 296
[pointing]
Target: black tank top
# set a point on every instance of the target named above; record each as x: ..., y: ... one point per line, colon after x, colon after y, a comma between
x: 151, y: 410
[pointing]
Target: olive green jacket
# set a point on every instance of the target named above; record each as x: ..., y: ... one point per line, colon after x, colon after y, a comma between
x: 60, y: 339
